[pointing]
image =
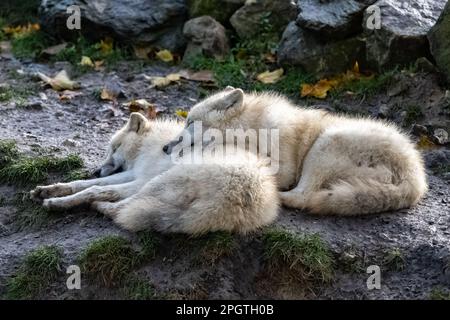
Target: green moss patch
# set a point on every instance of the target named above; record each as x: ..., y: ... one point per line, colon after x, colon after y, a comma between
x: 38, y: 270
x: 307, y: 257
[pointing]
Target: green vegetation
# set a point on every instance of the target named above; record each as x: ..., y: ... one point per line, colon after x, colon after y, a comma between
x: 29, y: 213
x: 8, y: 152
x: 106, y: 52
x: 139, y: 289
x: 38, y: 270
x: 307, y: 257
x: 241, y: 74
x: 413, y: 113
x: 214, y: 246
x: 109, y: 260
x: 77, y: 174
x: 29, y: 45
x: 149, y: 242
x: 9, y: 93
x: 439, y: 294
x: 394, y: 260
x: 367, y: 86
x: 33, y: 170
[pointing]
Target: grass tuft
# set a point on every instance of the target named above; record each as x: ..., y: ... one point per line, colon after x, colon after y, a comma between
x: 109, y: 260
x: 30, y: 171
x: 38, y: 270
x: 439, y: 294
x: 139, y: 289
x: 394, y: 260
x: 306, y: 257
x: 215, y: 246
x: 8, y: 152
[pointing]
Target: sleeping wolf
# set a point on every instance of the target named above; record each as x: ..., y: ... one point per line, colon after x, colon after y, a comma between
x: 153, y: 192
x: 328, y: 164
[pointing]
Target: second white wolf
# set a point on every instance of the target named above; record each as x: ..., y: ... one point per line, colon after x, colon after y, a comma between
x: 328, y: 164
x: 232, y: 194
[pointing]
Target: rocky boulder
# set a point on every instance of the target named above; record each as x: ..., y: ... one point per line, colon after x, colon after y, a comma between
x: 247, y: 19
x: 300, y: 47
x: 205, y: 37
x: 337, y: 19
x: 143, y: 22
x: 220, y: 10
x: 402, y: 36
x: 439, y: 38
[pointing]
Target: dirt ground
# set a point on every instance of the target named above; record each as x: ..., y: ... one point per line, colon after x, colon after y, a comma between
x: 83, y: 126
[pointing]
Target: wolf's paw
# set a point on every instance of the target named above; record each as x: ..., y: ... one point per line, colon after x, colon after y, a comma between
x: 292, y: 200
x: 51, y: 191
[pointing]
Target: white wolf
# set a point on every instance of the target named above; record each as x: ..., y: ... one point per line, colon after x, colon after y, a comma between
x: 153, y: 192
x: 328, y: 164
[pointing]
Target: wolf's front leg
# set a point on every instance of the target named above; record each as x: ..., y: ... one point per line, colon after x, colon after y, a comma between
x: 94, y: 193
x: 64, y: 189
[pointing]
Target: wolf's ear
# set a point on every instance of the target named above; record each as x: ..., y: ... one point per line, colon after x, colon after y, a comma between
x: 137, y: 123
x: 233, y: 99
x: 229, y: 88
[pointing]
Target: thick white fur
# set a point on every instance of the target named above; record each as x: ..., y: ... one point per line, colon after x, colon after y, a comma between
x: 329, y: 164
x: 154, y: 193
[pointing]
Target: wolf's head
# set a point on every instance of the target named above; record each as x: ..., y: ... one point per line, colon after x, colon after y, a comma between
x: 213, y: 112
x: 124, y: 145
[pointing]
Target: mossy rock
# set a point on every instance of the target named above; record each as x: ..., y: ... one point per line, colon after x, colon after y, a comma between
x: 440, y: 42
x: 221, y: 10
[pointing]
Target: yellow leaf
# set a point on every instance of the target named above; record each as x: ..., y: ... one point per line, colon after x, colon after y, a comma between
x: 21, y: 30
x: 165, y: 55
x: 270, y: 77
x: 106, y: 46
x: 60, y: 82
x: 181, y: 113
x: 161, y: 82
x: 318, y: 90
x: 86, y: 61
x: 143, y: 52
x: 356, y: 67
x: 108, y: 95
x: 425, y: 142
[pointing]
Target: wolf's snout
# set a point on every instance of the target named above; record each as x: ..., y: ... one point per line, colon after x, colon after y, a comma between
x: 166, y: 149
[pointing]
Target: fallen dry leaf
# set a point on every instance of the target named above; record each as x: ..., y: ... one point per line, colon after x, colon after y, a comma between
x: 21, y: 30
x: 69, y: 95
x: 86, y: 61
x: 60, y: 82
x: 202, y: 76
x: 143, y: 106
x: 144, y: 53
x: 181, y: 113
x: 268, y: 77
x: 106, y: 46
x: 165, y: 55
x: 425, y: 142
x: 161, y: 82
x: 320, y: 89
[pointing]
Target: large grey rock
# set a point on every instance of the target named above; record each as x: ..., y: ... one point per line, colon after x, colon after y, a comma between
x: 300, y: 47
x: 205, y: 37
x: 439, y: 37
x: 336, y: 18
x: 247, y: 19
x: 144, y: 22
x: 402, y: 37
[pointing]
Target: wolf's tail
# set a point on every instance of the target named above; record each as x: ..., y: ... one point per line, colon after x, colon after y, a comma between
x: 362, y: 196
